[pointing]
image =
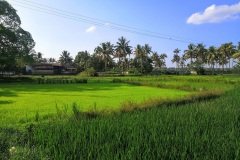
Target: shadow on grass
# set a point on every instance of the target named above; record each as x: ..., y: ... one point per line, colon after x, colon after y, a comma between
x: 7, y: 93
x: 6, y: 102
x: 15, y: 88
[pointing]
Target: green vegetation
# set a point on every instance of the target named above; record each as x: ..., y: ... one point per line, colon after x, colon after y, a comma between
x: 140, y: 117
x: 202, y: 130
x: 16, y: 44
x: 20, y: 102
x: 168, y: 117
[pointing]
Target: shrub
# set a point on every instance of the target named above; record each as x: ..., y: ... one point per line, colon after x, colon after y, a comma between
x: 90, y: 72
x: 116, y: 80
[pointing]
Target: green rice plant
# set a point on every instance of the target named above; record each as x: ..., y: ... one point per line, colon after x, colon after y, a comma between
x: 200, y: 130
x: 77, y: 114
x: 193, y: 117
x: 4, y: 147
x: 37, y: 116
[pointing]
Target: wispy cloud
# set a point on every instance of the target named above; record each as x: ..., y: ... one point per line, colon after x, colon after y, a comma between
x: 107, y: 24
x: 91, y: 29
x: 215, y: 14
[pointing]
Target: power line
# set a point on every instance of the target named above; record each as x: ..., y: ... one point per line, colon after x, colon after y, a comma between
x: 50, y: 11
x: 80, y: 18
x: 99, y: 20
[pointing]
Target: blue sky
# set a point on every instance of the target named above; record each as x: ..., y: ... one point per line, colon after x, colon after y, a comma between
x: 176, y: 18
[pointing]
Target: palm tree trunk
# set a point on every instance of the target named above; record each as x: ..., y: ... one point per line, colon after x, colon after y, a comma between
x: 105, y: 67
x: 122, y: 66
x: 213, y: 69
x: 128, y: 62
x: 223, y: 68
x: 119, y: 64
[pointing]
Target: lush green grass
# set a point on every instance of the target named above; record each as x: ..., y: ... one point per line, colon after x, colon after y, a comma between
x: 189, y: 83
x: 206, y: 129
x: 20, y: 102
x: 200, y: 130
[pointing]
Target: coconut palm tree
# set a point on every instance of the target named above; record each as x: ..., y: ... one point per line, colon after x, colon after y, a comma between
x: 201, y: 54
x: 176, y: 57
x: 162, y: 58
x: 147, y: 49
x: 65, y: 58
x: 212, y: 57
x: 222, y: 54
x: 231, y: 50
x: 155, y: 59
x: 190, y: 53
x: 182, y: 62
x: 237, y: 56
x: 122, y: 49
x: 105, y: 51
x: 140, y: 54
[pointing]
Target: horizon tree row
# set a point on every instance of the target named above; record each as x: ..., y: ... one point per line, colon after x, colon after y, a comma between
x: 124, y: 58
x: 117, y: 58
x: 197, y: 57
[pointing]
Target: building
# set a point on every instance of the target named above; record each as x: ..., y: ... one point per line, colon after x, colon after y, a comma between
x: 50, y: 69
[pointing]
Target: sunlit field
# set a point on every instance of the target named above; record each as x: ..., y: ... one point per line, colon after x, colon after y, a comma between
x: 20, y: 102
x: 121, y: 117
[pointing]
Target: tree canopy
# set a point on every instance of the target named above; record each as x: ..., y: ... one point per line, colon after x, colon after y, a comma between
x: 16, y: 44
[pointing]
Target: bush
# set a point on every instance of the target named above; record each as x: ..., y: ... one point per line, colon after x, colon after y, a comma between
x: 81, y: 80
x: 116, y: 80
x: 90, y: 72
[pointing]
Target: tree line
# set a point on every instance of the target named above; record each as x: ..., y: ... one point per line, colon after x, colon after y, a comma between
x: 122, y: 57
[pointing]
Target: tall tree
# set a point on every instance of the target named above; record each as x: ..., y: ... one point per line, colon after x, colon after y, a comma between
x: 190, y: 53
x: 156, y: 59
x: 212, y: 57
x: 226, y: 51
x: 147, y: 49
x: 140, y: 54
x: 162, y: 58
x: 15, y: 43
x: 97, y: 63
x: 105, y: 51
x: 182, y: 62
x: 82, y: 60
x: 176, y: 57
x: 51, y: 60
x: 201, y: 54
x: 231, y: 50
x: 65, y: 58
x: 122, y: 49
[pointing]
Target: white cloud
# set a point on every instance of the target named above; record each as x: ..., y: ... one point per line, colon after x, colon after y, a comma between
x: 91, y: 29
x: 215, y: 14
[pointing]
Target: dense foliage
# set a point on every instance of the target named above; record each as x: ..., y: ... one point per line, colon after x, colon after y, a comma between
x: 16, y: 44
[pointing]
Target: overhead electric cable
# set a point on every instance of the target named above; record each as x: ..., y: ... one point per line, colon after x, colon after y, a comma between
x: 81, y: 18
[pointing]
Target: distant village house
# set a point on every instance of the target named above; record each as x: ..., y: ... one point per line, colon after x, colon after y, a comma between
x: 50, y: 69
